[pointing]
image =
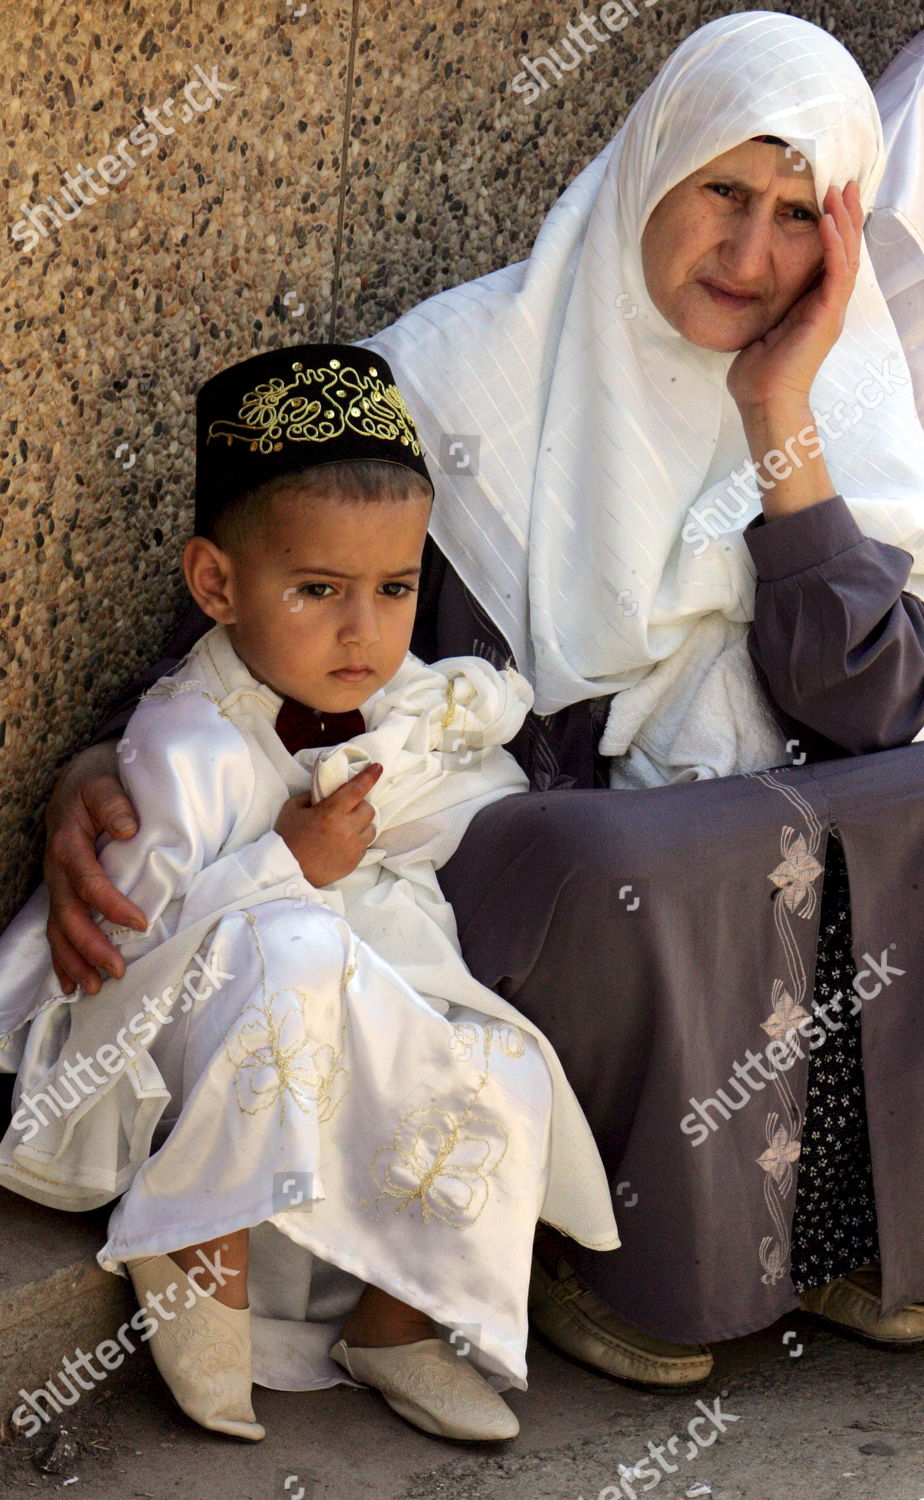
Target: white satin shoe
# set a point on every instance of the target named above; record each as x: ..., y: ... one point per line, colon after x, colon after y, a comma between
x: 433, y: 1387
x: 203, y: 1352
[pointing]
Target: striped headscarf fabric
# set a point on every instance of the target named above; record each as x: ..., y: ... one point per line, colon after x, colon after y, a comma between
x: 591, y: 428
x: 895, y: 228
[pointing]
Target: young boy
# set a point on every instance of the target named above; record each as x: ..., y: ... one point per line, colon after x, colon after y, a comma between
x: 296, y: 1075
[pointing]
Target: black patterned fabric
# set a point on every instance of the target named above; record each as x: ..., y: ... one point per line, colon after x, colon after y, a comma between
x: 834, y: 1226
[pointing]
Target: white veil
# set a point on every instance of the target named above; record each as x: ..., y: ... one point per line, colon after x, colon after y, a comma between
x: 599, y: 427
x: 895, y: 228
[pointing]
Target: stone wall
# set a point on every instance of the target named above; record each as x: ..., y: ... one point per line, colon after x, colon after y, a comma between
x: 330, y: 166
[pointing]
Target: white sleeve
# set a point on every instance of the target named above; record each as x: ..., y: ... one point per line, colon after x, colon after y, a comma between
x: 438, y: 733
x: 190, y: 776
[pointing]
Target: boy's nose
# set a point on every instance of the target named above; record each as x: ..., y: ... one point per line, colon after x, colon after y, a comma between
x: 360, y: 626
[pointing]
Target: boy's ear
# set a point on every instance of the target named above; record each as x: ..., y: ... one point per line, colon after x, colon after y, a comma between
x: 209, y: 578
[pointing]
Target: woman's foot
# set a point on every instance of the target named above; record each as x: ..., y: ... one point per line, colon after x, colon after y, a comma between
x: 577, y: 1323
x: 853, y: 1304
x: 200, y: 1345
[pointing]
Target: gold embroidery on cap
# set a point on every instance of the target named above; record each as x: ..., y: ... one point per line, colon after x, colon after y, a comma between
x: 339, y: 397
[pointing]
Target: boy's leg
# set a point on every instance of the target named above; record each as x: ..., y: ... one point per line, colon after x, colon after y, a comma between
x: 380, y: 1321
x: 231, y: 1251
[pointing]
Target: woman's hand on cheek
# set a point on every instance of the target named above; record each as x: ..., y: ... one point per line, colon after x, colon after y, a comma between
x: 779, y: 369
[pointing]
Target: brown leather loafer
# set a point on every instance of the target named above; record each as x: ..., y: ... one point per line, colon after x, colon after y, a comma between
x: 853, y: 1303
x: 576, y: 1323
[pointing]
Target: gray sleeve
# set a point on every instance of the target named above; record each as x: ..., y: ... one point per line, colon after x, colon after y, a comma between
x: 839, y: 645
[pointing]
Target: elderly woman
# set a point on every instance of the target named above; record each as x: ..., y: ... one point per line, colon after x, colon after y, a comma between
x: 684, y: 488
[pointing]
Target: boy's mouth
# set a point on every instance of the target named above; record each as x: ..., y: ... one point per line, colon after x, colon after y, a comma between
x: 353, y: 674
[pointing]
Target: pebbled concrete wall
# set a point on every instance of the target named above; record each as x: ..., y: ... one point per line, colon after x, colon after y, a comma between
x: 331, y: 165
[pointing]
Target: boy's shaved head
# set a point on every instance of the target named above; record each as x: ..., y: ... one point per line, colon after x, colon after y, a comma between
x: 367, y: 480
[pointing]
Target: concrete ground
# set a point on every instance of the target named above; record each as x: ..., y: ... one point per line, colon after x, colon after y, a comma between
x: 818, y: 1418
x: 807, y: 1415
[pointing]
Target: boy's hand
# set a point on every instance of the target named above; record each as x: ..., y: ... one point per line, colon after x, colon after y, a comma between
x: 330, y: 838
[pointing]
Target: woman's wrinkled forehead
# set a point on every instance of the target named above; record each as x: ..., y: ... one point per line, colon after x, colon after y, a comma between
x: 744, y: 76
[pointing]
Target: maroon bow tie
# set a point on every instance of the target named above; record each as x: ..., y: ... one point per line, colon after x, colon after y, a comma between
x: 303, y: 728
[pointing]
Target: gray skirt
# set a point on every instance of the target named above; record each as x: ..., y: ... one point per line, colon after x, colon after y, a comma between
x: 669, y: 942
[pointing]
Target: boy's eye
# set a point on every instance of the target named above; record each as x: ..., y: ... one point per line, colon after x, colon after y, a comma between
x: 402, y: 590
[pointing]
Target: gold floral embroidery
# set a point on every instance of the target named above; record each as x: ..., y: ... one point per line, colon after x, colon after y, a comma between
x: 463, y: 1038
x: 165, y: 687
x: 319, y: 404
x: 450, y: 713
x: 442, y: 1162
x: 276, y: 1059
x: 465, y: 1035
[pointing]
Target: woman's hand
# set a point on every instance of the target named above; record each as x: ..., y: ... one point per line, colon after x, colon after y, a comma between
x: 330, y: 838
x: 88, y: 800
x: 779, y: 368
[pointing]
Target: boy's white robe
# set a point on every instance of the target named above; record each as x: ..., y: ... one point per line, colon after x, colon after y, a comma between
x: 195, y: 1054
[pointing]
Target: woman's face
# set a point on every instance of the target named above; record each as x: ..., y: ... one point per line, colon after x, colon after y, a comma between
x: 729, y: 249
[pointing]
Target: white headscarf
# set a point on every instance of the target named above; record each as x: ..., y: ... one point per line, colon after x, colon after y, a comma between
x: 599, y: 426
x: 895, y: 228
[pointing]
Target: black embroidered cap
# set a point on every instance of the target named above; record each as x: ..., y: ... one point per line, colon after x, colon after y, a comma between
x: 297, y: 408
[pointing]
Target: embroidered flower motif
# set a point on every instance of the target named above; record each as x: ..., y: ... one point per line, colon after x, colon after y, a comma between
x: 463, y: 1038
x: 510, y: 1038
x: 275, y: 1058
x: 794, y: 878
x: 779, y: 1156
x: 441, y: 1163
x: 198, y: 1346
x: 796, y: 874
x: 774, y: 1260
x: 465, y: 1035
x: 787, y: 1014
